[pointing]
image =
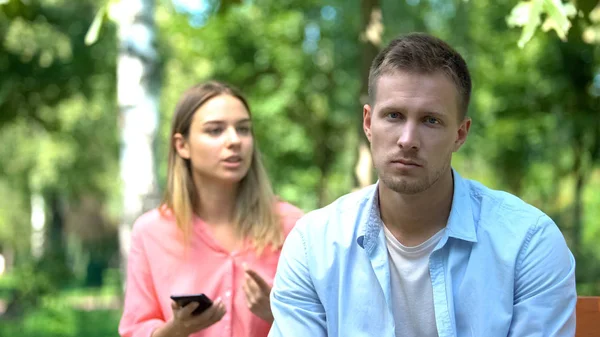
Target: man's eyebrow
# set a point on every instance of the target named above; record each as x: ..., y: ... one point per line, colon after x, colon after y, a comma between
x: 435, y: 114
x: 390, y: 107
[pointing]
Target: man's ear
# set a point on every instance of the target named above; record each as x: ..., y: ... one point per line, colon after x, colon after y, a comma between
x: 181, y: 146
x: 367, y: 114
x: 462, y: 133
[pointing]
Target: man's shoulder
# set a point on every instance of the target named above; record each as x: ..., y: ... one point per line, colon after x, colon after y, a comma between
x: 501, y: 210
x: 346, y: 208
x: 328, y: 234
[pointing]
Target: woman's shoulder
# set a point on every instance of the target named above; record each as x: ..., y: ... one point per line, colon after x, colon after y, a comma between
x: 289, y: 214
x: 152, y: 221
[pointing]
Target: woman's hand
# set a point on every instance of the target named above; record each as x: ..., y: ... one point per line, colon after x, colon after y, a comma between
x: 184, y: 323
x: 257, y: 292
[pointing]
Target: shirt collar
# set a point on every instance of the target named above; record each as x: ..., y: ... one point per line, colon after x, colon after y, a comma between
x: 460, y: 223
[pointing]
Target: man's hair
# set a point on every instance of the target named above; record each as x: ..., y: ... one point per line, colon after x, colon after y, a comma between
x: 422, y: 54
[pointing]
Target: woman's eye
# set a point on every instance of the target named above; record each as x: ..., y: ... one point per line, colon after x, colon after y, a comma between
x: 215, y: 131
x: 243, y: 129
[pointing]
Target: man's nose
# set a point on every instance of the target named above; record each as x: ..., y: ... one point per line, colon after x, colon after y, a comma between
x: 409, y: 138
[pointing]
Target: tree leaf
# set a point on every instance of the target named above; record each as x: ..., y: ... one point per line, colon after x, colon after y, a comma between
x: 558, y: 17
x: 526, y: 14
x: 94, y: 31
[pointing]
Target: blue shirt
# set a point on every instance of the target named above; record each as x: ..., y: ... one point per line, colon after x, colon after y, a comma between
x: 502, y: 268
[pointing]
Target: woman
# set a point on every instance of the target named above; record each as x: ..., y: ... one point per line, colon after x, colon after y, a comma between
x: 219, y: 230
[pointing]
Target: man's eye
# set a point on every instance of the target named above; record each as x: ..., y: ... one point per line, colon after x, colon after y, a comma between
x: 432, y: 120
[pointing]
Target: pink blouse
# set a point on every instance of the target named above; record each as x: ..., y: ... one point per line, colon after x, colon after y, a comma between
x: 158, y: 267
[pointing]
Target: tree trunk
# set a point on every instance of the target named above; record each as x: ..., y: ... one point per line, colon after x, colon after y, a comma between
x: 579, y: 171
x: 578, y: 212
x: 370, y: 37
x: 38, y: 224
x: 55, y: 230
x: 54, y: 261
x: 137, y: 94
x: 9, y: 258
x: 324, y: 157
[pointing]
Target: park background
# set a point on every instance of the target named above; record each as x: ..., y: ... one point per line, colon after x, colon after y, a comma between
x: 88, y: 87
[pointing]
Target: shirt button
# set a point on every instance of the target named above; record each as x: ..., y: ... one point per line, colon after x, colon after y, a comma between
x: 228, y: 293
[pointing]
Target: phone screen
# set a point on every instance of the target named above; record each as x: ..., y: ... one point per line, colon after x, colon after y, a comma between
x: 203, y: 301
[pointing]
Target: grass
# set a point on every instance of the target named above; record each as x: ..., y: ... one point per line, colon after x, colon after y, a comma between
x: 6, y: 285
x: 71, y: 313
x: 62, y: 321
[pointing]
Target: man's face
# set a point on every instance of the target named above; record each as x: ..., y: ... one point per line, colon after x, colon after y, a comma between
x: 414, y: 127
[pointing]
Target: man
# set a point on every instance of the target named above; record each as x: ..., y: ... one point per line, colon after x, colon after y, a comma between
x: 424, y: 252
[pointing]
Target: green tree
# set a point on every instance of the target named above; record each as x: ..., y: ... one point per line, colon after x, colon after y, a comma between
x: 58, y: 121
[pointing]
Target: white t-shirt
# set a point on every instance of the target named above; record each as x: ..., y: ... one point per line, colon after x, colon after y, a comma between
x: 412, y: 293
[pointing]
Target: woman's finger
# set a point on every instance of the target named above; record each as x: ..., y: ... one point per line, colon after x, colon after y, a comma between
x: 264, y: 286
x: 207, y: 314
x: 210, y: 316
x: 253, y: 286
x: 189, y: 308
x: 250, y: 295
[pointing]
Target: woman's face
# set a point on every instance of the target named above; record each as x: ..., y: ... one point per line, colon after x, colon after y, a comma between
x: 219, y: 143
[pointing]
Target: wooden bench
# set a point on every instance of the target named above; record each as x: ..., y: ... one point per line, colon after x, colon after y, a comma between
x: 588, y: 316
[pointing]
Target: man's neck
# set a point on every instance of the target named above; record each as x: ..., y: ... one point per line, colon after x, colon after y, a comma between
x: 414, y: 218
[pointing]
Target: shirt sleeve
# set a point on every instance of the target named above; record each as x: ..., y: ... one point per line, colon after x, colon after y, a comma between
x: 545, y: 293
x: 141, y: 311
x: 294, y: 302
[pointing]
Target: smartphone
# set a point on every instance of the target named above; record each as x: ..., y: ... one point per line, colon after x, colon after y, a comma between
x: 203, y: 301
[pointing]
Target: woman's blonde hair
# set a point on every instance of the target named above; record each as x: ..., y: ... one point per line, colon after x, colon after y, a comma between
x: 255, y: 216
